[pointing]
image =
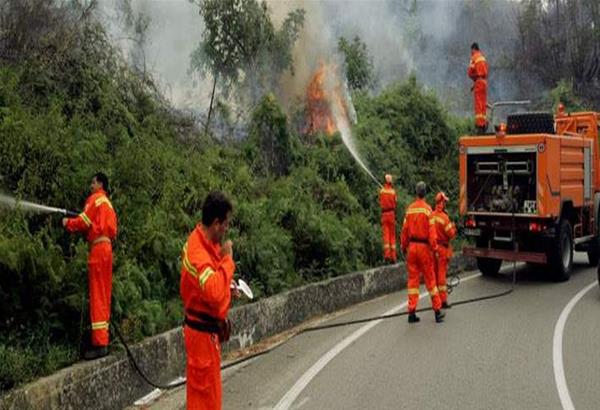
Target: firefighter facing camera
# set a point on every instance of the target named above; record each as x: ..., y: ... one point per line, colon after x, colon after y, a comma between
x: 419, y: 243
x: 205, y: 287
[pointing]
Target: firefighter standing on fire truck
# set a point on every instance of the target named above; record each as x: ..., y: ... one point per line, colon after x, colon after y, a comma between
x: 99, y: 222
x: 387, y: 201
x: 445, y: 232
x: 419, y: 239
x: 478, y: 72
x: 206, y: 276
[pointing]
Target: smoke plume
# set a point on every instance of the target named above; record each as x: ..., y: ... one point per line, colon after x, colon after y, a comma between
x: 429, y: 38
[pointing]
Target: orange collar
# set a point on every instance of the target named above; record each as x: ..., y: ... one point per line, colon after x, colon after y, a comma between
x: 421, y: 201
x: 210, y: 246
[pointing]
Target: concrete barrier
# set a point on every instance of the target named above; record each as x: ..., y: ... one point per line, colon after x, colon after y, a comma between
x: 112, y: 382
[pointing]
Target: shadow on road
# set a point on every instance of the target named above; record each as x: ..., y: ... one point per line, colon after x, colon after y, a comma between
x: 529, y: 274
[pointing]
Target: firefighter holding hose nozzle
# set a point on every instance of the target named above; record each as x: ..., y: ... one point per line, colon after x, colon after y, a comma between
x: 98, y: 222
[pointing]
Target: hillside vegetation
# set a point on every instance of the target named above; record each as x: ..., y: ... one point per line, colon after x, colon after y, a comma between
x: 304, y: 210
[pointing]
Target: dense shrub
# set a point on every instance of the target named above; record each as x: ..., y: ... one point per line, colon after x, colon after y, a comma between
x: 303, y: 209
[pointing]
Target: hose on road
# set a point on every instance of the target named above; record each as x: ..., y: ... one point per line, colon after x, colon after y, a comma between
x: 454, y: 280
x: 306, y: 330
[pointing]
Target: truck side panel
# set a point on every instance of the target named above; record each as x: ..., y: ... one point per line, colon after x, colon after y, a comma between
x: 549, y: 177
x: 586, y: 122
x: 572, y: 170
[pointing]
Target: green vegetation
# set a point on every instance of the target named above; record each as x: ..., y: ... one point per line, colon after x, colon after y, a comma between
x: 358, y: 63
x: 241, y: 47
x: 304, y: 210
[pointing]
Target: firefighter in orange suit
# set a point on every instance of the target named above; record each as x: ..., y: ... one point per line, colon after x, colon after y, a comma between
x: 387, y: 201
x: 478, y: 72
x: 206, y: 276
x: 99, y: 222
x: 445, y: 232
x: 419, y: 239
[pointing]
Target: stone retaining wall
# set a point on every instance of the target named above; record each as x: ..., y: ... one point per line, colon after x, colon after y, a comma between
x: 112, y: 382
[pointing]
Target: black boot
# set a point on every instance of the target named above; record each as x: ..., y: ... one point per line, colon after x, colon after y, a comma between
x: 413, y: 318
x: 446, y: 305
x: 95, y: 352
x: 439, y: 316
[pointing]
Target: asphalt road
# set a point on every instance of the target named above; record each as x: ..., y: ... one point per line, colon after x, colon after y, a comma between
x: 535, y: 348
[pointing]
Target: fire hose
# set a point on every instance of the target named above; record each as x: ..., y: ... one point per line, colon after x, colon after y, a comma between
x: 454, y: 281
x: 306, y: 330
x: 373, y: 318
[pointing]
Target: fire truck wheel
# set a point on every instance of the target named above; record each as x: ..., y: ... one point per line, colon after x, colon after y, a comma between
x: 594, y: 250
x: 488, y: 266
x: 560, y: 253
x: 594, y: 254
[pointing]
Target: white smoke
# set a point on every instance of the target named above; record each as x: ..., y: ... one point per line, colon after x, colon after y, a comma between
x: 174, y: 31
x: 429, y: 38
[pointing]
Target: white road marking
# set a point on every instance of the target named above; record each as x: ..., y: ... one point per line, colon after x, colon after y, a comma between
x: 557, y: 349
x: 156, y: 393
x: 288, y: 399
x: 149, y: 398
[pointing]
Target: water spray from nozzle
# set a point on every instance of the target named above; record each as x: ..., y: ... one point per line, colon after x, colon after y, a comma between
x: 344, y: 114
x: 13, y: 203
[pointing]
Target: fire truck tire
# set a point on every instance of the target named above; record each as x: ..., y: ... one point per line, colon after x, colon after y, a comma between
x: 560, y: 253
x: 594, y: 254
x: 594, y: 250
x: 489, y: 266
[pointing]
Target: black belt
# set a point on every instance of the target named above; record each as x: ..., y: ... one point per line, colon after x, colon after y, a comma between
x: 203, y: 322
x: 418, y: 240
x: 444, y: 244
x: 389, y: 210
x: 201, y: 326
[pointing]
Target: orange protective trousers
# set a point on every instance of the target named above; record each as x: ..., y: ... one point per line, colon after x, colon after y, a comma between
x: 100, y: 285
x: 441, y: 270
x: 480, y: 102
x: 420, y: 260
x: 203, y: 370
x: 388, y: 228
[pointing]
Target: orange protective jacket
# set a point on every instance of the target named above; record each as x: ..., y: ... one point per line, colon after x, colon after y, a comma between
x: 205, y: 288
x: 478, y: 68
x: 205, y: 276
x: 387, y: 199
x: 97, y: 219
x: 418, y: 226
x: 445, y: 230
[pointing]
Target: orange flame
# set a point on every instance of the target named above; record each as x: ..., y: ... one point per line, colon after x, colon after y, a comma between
x: 319, y: 96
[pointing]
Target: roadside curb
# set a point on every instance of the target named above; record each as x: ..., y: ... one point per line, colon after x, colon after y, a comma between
x: 112, y: 382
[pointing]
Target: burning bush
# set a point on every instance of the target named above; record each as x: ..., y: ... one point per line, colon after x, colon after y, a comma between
x: 328, y: 104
